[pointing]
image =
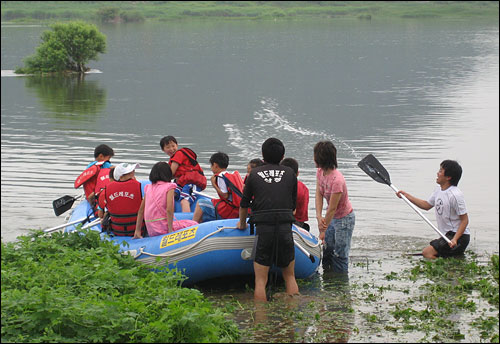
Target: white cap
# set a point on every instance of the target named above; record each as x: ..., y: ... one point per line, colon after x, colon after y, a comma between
x: 123, y: 169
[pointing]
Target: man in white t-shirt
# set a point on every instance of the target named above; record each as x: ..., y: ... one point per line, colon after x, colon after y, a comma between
x: 451, y: 212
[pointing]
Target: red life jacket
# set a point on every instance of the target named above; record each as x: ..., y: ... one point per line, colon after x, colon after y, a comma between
x: 89, y: 178
x: 102, y: 181
x: 123, y: 200
x: 100, y: 186
x: 230, y: 209
x: 191, y: 173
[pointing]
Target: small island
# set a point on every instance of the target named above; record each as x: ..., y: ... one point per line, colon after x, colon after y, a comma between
x: 66, y: 49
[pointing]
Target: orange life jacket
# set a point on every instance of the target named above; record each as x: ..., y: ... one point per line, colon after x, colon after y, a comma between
x: 123, y: 200
x: 225, y: 208
x: 192, y: 173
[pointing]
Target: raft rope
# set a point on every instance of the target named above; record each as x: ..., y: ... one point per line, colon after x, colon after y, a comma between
x: 306, y: 241
x: 186, y: 248
x: 190, y: 250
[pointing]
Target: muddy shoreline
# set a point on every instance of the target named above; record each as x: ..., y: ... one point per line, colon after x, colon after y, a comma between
x: 379, y: 301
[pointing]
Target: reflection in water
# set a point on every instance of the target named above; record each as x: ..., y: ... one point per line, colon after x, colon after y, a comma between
x: 69, y: 98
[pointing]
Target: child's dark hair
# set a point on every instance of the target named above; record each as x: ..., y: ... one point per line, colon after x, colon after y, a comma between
x: 161, y: 171
x: 291, y: 162
x: 256, y: 163
x: 166, y: 140
x: 111, y: 171
x: 220, y: 158
x: 105, y: 150
x: 452, y: 169
x: 325, y: 155
x: 273, y: 150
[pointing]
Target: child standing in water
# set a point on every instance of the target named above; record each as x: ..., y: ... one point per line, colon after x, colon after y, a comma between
x: 337, y: 225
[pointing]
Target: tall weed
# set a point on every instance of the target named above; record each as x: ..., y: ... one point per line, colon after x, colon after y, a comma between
x: 78, y: 288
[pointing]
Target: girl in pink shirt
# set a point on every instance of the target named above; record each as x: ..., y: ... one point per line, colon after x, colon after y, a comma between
x: 337, y: 225
x: 157, y: 207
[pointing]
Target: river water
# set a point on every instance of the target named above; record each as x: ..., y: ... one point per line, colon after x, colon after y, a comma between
x: 412, y: 92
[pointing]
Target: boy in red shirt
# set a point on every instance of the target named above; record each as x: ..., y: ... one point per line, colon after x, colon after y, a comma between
x: 301, y: 211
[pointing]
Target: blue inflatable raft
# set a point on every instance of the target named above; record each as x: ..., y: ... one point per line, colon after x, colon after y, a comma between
x: 208, y: 250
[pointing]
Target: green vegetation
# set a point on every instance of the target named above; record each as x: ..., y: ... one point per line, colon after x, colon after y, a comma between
x: 123, y: 11
x: 68, y: 288
x: 444, y: 300
x: 77, y: 288
x: 67, y: 48
x: 114, y: 15
x: 449, y: 289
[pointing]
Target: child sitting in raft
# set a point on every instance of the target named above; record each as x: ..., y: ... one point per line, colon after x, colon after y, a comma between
x: 157, y: 207
x: 229, y: 187
x: 187, y: 172
x: 301, y: 212
x: 122, y: 200
x: 102, y: 212
x: 251, y: 165
x: 101, y: 196
x: 95, y: 171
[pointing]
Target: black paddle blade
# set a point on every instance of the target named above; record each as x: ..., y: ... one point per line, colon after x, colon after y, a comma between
x: 374, y: 169
x: 63, y: 204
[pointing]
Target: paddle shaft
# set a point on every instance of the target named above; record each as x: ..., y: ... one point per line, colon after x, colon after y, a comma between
x: 420, y: 213
x: 202, y: 194
x: 64, y: 225
x: 92, y: 224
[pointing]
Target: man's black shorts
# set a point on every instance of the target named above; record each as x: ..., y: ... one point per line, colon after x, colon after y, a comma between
x: 444, y: 250
x: 265, y: 250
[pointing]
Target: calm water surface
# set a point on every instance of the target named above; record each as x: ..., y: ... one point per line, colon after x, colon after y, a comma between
x: 413, y: 93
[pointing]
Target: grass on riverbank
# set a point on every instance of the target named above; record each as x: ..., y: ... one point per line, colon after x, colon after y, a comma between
x: 36, y: 11
x: 77, y: 288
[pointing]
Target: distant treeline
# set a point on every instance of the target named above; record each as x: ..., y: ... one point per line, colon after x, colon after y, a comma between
x: 136, y: 11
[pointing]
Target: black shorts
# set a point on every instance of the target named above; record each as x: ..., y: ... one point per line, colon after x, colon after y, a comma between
x: 444, y: 250
x: 274, y: 248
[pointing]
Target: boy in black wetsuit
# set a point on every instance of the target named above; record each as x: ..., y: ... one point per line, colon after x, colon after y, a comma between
x: 273, y: 188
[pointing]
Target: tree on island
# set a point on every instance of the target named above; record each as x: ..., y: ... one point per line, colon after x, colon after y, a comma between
x: 67, y: 48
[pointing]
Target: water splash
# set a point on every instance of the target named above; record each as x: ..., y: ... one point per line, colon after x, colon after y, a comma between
x: 269, y: 122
